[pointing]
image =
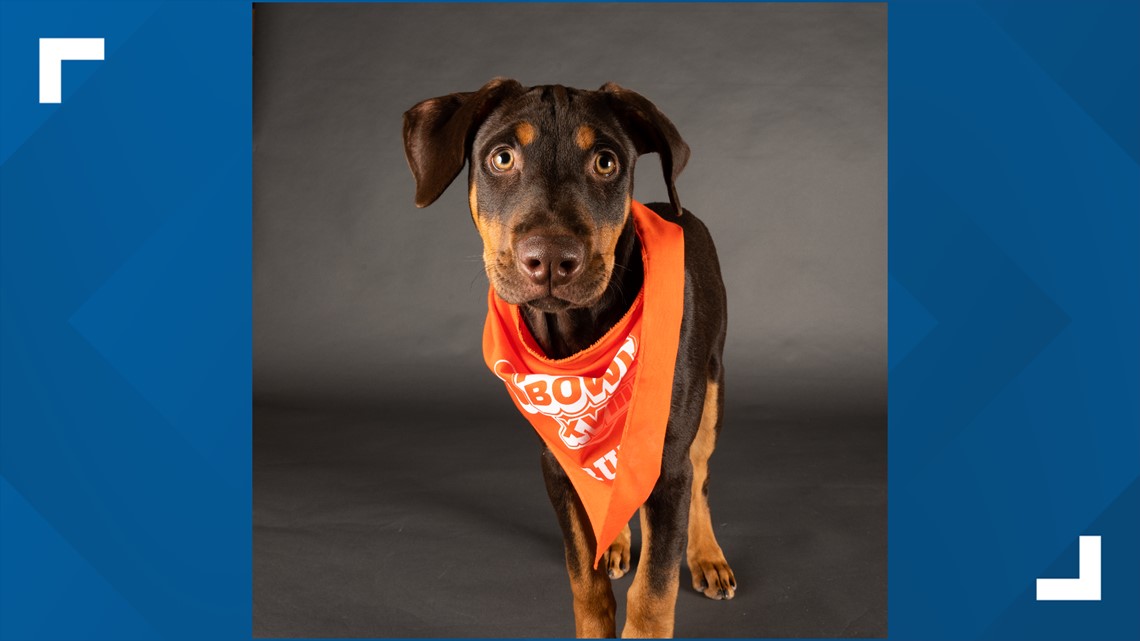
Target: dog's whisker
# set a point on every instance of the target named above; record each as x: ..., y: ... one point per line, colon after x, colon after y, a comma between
x: 475, y: 278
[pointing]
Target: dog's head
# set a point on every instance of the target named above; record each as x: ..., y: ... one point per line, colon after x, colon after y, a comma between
x: 550, y: 182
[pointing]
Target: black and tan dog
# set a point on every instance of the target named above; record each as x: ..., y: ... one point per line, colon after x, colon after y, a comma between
x: 550, y: 184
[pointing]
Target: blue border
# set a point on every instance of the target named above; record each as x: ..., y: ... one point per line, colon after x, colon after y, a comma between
x: 1014, y: 316
x: 125, y: 239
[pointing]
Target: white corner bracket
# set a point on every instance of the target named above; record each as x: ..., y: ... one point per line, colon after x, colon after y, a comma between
x: 1086, y: 587
x: 53, y: 51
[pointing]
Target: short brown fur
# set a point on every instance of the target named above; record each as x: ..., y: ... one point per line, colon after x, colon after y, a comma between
x: 649, y: 607
x: 594, y: 605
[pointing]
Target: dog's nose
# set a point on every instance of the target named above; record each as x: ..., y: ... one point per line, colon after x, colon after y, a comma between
x: 550, y: 259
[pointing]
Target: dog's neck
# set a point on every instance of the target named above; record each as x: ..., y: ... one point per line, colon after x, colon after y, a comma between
x: 568, y: 332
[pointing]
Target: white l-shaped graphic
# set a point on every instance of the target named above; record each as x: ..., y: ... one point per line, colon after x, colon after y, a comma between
x: 1086, y: 587
x: 53, y: 51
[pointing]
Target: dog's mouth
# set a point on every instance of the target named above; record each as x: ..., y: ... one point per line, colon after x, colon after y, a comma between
x: 550, y: 304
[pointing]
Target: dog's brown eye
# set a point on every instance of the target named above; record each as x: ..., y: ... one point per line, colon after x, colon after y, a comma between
x: 503, y: 160
x: 605, y: 163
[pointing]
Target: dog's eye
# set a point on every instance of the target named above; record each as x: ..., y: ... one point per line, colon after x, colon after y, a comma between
x: 503, y: 159
x: 605, y: 163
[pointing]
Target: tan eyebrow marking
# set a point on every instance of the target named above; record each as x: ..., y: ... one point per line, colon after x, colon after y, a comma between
x: 585, y: 137
x: 525, y: 132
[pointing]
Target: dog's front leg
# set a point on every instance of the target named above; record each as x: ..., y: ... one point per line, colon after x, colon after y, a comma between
x: 652, y: 598
x: 594, y: 605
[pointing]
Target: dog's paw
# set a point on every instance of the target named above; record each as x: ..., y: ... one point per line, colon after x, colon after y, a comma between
x: 712, y: 576
x: 616, y: 559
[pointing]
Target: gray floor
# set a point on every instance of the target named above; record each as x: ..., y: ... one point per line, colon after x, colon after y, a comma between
x: 372, y: 523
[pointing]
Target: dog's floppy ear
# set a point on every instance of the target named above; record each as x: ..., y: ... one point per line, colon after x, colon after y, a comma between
x: 438, y: 133
x: 651, y: 132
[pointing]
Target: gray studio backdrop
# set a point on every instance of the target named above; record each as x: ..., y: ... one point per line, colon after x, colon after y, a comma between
x: 361, y: 299
x: 396, y: 490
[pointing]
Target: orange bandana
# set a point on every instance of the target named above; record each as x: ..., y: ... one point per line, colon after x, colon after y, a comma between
x: 610, y: 402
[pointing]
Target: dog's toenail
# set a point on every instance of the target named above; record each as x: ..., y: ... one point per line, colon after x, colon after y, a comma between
x: 722, y: 593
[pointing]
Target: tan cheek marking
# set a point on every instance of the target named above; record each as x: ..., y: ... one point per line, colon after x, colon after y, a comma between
x: 525, y: 133
x: 491, y: 232
x: 484, y: 227
x: 608, y: 238
x: 585, y: 137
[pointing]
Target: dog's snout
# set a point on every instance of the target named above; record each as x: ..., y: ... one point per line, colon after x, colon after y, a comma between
x: 556, y: 260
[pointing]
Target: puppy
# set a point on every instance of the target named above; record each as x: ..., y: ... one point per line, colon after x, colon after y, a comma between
x: 550, y: 182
